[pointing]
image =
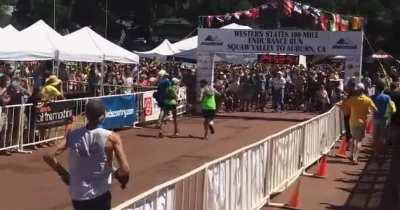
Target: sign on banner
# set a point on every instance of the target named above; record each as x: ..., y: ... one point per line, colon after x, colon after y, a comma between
x: 150, y: 107
x: 50, y: 115
x: 280, y: 41
x: 279, y: 59
x: 294, y: 42
x: 120, y: 111
x: 181, y: 98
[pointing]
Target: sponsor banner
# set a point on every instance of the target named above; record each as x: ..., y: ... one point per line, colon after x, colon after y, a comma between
x: 150, y: 107
x: 181, y: 106
x: 280, y: 41
x: 279, y: 59
x: 50, y: 115
x: 120, y: 111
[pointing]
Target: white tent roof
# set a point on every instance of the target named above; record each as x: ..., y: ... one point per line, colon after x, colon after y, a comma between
x: 162, y: 50
x: 66, y: 49
x: 10, y: 28
x: 109, y: 50
x: 18, y: 46
x: 235, y: 26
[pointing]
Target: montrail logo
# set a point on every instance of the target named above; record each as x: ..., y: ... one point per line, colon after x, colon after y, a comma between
x: 212, y: 41
x: 344, y: 44
x: 120, y: 113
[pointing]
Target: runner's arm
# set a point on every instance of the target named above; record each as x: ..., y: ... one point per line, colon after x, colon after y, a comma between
x: 122, y: 173
x: 51, y: 160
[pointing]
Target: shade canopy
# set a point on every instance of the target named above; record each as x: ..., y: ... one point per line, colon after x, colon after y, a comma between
x: 163, y: 50
x: 40, y: 42
x: 108, y: 50
x: 18, y: 46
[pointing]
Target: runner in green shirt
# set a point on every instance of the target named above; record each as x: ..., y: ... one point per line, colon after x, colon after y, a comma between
x: 208, y: 106
x: 170, y: 103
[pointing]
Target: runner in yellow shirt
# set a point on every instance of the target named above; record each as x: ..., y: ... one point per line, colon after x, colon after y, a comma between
x: 360, y: 106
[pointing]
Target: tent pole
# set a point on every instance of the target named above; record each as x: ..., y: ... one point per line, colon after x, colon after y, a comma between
x: 102, y: 78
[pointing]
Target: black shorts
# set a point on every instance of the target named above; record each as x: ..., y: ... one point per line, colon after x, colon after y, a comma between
x: 208, y: 114
x: 168, y: 107
x: 103, y: 202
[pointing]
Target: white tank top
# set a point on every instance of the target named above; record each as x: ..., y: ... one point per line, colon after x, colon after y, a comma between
x: 90, y: 174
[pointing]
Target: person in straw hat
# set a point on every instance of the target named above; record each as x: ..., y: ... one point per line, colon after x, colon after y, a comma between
x: 52, y: 89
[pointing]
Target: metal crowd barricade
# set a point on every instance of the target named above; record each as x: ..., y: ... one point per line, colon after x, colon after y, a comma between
x: 12, y: 121
x: 17, y: 122
x: 18, y: 130
x: 246, y: 178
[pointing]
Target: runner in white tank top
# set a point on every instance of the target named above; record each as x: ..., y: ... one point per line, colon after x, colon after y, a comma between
x: 91, y: 151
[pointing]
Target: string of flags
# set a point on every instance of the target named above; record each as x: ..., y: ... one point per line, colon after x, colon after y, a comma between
x: 323, y: 20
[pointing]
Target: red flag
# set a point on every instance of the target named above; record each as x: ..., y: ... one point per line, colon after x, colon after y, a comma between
x: 344, y: 25
x: 324, y: 22
x: 210, y: 21
x: 288, y: 7
x: 338, y: 22
x: 254, y: 13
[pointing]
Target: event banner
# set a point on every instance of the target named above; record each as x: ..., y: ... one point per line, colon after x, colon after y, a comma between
x: 279, y: 59
x: 120, y: 111
x: 150, y: 107
x: 280, y: 41
x: 50, y: 115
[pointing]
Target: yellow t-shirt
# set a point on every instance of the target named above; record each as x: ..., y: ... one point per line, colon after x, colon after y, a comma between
x: 50, y: 93
x: 360, y: 107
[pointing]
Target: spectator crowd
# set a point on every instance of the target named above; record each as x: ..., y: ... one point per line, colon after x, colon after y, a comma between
x: 241, y: 87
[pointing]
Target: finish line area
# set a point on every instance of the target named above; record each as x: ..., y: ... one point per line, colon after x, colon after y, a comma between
x: 153, y: 161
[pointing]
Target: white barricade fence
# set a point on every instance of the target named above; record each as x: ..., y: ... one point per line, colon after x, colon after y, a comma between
x: 20, y: 125
x: 11, y: 126
x: 245, y: 179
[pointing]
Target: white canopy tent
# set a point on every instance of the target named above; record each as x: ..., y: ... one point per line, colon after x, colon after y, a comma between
x: 87, y: 38
x: 65, y: 49
x: 17, y: 46
x: 10, y: 28
x: 161, y: 51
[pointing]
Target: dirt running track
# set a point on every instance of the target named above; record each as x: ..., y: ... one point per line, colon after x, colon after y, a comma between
x: 26, y: 183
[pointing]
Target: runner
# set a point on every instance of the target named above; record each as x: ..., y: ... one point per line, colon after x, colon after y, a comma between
x: 169, y: 105
x: 208, y: 106
x: 360, y: 107
x: 386, y: 108
x: 91, y: 151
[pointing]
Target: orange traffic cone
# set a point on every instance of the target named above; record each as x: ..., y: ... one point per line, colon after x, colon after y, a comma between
x: 294, y: 201
x: 342, y: 148
x: 323, y: 167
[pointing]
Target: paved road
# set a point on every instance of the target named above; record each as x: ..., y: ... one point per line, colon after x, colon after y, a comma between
x: 28, y: 184
x: 372, y: 185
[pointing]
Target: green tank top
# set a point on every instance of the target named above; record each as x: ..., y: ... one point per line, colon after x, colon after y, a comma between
x: 208, y: 103
x: 171, y: 95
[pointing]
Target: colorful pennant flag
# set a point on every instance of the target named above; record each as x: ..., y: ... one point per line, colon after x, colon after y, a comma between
x: 237, y: 15
x: 288, y: 7
x: 210, y: 21
x: 297, y: 8
x: 324, y: 22
x: 357, y: 23
x: 255, y: 13
x: 344, y: 25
